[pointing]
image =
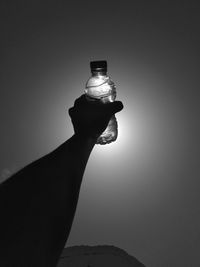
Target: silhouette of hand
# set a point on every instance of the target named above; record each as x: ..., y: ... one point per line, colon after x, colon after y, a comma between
x: 90, y: 118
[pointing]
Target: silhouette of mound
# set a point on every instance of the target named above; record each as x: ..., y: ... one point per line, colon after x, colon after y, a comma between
x: 97, y: 256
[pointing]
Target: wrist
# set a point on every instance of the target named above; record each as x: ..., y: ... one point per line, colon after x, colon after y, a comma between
x: 83, y: 138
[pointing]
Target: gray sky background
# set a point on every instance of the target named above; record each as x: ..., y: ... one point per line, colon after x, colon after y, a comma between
x: 140, y: 193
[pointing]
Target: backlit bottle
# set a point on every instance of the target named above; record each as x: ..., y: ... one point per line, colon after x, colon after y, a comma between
x: 101, y: 87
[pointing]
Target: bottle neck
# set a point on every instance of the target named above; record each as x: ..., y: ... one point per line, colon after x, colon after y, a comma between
x: 99, y: 73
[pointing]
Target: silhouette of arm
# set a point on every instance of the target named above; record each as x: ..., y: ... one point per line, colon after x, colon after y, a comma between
x: 37, y: 204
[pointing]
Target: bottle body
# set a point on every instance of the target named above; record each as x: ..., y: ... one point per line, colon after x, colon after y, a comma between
x: 101, y: 87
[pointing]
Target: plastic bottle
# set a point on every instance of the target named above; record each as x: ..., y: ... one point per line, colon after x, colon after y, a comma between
x: 100, y: 86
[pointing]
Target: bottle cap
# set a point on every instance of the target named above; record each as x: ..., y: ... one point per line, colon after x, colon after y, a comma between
x: 100, y: 65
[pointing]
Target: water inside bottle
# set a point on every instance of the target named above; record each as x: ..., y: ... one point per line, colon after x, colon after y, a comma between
x: 102, y: 88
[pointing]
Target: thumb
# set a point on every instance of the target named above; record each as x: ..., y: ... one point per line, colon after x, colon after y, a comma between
x: 114, y: 107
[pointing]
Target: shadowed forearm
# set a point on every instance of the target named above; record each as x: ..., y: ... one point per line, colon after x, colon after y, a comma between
x: 38, y: 205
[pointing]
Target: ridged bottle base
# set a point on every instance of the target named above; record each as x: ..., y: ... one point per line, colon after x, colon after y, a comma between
x: 110, y: 134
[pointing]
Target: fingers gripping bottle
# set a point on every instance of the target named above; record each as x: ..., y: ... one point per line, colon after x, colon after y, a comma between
x: 101, y: 87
